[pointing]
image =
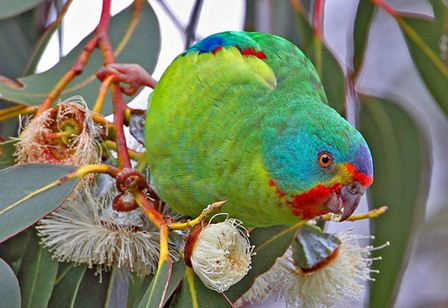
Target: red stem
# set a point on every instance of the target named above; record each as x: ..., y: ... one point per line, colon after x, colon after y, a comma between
x: 119, y: 109
x: 75, y: 70
x: 386, y: 6
x: 119, y: 104
x: 318, y: 18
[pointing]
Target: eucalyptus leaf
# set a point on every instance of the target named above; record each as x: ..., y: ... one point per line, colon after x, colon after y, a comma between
x: 402, y: 170
x: 427, y: 38
x: 332, y: 78
x: 39, y: 46
x: 8, y: 128
x: 249, y: 21
x: 137, y: 289
x: 37, y: 275
x: 14, y: 53
x: 193, y: 293
x: 283, y: 20
x: 9, y: 8
x: 327, y: 66
x: 128, y: 49
x: 155, y: 294
x: 66, y: 285
x: 94, y: 289
x: 270, y: 243
x: 118, y: 288
x: 22, y: 205
x: 7, y: 149
x: 176, y: 277
x: 25, y: 28
x: 9, y: 290
x: 363, y: 20
x: 164, y: 283
x: 13, y: 249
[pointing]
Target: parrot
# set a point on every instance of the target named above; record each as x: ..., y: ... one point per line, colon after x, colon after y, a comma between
x: 243, y: 117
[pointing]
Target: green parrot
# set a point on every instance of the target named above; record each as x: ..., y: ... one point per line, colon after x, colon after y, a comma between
x: 243, y: 117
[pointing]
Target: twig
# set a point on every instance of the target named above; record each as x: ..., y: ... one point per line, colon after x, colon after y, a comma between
x: 369, y: 215
x: 76, y: 69
x: 175, y: 20
x: 318, y: 18
x: 134, y: 155
x: 190, y: 223
x: 102, y: 93
x: 9, y: 113
x: 149, y: 209
x: 117, y: 97
x: 172, y: 16
x: 190, y: 31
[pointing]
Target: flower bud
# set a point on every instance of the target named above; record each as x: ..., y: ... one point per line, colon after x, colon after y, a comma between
x: 219, y: 253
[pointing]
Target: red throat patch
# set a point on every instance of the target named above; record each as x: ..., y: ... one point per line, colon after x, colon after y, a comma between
x: 310, y: 204
x: 306, y: 205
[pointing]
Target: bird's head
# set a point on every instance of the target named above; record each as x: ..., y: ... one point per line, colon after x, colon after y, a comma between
x: 318, y: 163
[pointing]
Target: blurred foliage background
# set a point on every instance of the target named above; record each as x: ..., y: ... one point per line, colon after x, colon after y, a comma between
x: 355, y: 46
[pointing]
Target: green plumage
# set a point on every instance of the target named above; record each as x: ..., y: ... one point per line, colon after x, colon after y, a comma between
x: 213, y: 120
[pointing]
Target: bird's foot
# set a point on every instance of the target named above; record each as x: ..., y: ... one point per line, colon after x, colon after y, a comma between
x: 211, y: 208
x: 133, y: 75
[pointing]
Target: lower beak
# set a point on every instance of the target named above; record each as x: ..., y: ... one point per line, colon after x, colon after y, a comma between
x: 346, y: 202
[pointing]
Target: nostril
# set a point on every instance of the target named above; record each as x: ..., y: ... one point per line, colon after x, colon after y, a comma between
x: 354, y: 188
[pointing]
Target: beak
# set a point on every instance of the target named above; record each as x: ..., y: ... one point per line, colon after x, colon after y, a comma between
x: 346, y: 202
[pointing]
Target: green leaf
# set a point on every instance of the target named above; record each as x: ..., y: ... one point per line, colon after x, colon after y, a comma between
x: 193, y: 293
x: 11, y: 8
x: 145, y: 37
x: 249, y: 21
x: 39, y: 46
x: 332, y: 78
x: 14, y: 53
x: 402, y: 169
x: 327, y: 66
x: 9, y: 290
x: 176, y: 277
x: 13, y: 249
x: 7, y: 149
x: 155, y: 294
x: 94, y: 290
x: 137, y: 289
x: 424, y: 38
x: 270, y: 243
x: 363, y: 19
x: 37, y: 275
x: 117, y: 295
x: 67, y: 283
x: 164, y: 283
x: 21, y: 207
x: 282, y: 21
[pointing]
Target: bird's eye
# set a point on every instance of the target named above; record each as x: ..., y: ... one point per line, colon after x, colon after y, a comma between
x: 325, y: 159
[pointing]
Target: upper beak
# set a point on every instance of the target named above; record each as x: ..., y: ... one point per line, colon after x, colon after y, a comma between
x: 346, y: 202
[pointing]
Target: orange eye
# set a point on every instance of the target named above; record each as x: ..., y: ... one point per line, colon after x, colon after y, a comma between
x: 325, y: 159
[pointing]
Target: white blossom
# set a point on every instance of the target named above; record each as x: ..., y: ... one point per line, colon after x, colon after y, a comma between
x: 222, y: 254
